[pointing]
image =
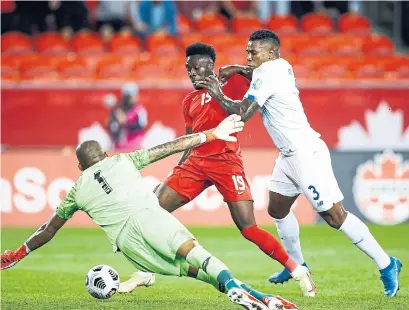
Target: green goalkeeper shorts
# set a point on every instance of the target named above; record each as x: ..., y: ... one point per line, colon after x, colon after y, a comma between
x: 151, y: 239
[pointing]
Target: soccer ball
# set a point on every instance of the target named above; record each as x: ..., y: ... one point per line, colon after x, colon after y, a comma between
x: 102, y: 282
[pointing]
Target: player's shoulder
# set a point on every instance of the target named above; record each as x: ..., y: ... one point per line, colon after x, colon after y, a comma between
x: 189, y: 97
x: 273, y: 67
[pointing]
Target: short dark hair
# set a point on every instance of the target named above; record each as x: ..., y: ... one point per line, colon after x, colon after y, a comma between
x: 265, y: 35
x: 200, y: 48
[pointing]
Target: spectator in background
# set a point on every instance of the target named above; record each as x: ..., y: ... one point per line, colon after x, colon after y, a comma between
x: 31, y: 16
x: 111, y: 17
x: 70, y: 16
x: 195, y: 9
x: 127, y: 122
x: 232, y: 9
x: 266, y: 8
x: 405, y: 22
x: 155, y: 16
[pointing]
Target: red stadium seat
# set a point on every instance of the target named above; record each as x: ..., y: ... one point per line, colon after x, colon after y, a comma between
x: 162, y: 44
x: 52, y: 43
x: 184, y: 24
x: 367, y: 68
x: 317, y: 23
x: 354, y: 23
x: 228, y: 43
x: 310, y: 47
x: 395, y: 66
x: 86, y: 42
x: 344, y: 45
x: 125, y: 44
x: 377, y: 45
x: 111, y: 66
x: 16, y: 43
x: 38, y: 69
x: 211, y: 23
x: 289, y: 42
x: 287, y: 23
x: 244, y: 24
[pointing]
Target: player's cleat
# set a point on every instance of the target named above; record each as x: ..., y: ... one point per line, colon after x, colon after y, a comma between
x: 282, y: 276
x: 278, y: 303
x: 241, y: 297
x: 303, y: 278
x: 390, y: 277
x: 10, y: 258
x: 137, y: 279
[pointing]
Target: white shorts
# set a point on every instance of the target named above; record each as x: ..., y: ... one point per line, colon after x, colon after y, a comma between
x: 309, y: 172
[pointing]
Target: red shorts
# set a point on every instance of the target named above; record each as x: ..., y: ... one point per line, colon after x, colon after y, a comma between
x: 198, y: 173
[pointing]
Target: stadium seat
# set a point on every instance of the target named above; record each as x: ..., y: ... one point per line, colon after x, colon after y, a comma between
x: 395, y: 66
x: 354, y: 23
x: 244, y: 24
x: 211, y: 23
x: 377, y: 45
x: 228, y: 43
x: 51, y: 43
x: 191, y: 37
x: 111, y: 66
x: 367, y: 68
x: 162, y: 44
x: 317, y: 23
x: 16, y: 43
x: 125, y: 44
x: 10, y: 76
x: 283, y: 24
x: 344, y: 45
x: 38, y: 69
x: 72, y: 65
x: 310, y: 47
x: 86, y: 42
x: 288, y: 42
x: 184, y: 24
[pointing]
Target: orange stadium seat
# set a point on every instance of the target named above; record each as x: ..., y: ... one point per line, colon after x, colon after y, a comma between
x: 288, y: 42
x: 111, y: 67
x: 344, y: 45
x: 354, y: 23
x: 395, y: 66
x: 86, y: 42
x: 16, y: 43
x: 244, y: 24
x: 211, y: 23
x: 377, y: 45
x: 162, y: 44
x: 192, y: 37
x: 367, y: 68
x: 125, y: 44
x: 184, y: 24
x: 38, y: 69
x: 310, y: 47
x: 228, y: 43
x: 51, y: 43
x: 286, y: 23
x: 317, y: 23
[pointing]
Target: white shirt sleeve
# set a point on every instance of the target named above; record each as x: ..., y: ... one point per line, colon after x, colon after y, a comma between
x: 260, y: 87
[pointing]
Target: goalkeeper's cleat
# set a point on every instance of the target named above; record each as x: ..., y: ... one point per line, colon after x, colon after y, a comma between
x: 10, y: 258
x: 278, y: 303
x: 139, y: 278
x: 303, y: 278
x: 282, y: 276
x: 390, y: 277
x: 241, y: 297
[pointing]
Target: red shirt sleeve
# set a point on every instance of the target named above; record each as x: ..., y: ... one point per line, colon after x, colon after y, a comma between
x: 185, y: 108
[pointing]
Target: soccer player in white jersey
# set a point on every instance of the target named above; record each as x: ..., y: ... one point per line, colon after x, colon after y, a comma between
x: 112, y: 192
x: 304, y: 162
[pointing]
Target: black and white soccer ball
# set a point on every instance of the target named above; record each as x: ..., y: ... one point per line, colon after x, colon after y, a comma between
x: 102, y: 282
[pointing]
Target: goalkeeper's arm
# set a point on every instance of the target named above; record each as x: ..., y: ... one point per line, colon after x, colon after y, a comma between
x: 44, y: 234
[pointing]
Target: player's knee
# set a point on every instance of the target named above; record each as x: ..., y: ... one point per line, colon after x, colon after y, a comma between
x: 335, y: 216
x: 275, y: 212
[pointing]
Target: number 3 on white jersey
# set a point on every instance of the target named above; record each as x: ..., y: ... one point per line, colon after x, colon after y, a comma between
x: 238, y: 181
x: 205, y: 98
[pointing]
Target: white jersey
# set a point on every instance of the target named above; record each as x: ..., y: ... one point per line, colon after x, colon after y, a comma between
x: 273, y: 88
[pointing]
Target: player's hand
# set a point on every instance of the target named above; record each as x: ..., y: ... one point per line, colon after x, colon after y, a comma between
x: 10, y: 258
x: 227, y: 72
x: 212, y: 85
x: 228, y: 126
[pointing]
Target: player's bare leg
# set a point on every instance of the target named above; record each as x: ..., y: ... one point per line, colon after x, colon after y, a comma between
x: 168, y: 198
x: 279, y: 208
x: 337, y: 217
x: 237, y: 291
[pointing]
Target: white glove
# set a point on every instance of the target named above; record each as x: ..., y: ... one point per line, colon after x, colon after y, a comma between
x: 229, y: 125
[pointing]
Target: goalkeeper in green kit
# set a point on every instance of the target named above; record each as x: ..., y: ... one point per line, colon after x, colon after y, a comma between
x: 112, y: 192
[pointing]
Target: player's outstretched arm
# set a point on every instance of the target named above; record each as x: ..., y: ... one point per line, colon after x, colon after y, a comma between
x: 228, y: 126
x: 227, y: 72
x: 246, y: 108
x: 44, y: 234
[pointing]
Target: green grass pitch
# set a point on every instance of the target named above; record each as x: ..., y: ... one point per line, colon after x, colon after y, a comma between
x: 53, y: 277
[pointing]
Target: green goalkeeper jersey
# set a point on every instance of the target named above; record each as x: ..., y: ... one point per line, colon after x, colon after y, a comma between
x: 110, y: 192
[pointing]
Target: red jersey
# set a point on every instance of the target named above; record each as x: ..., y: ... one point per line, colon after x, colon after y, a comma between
x: 202, y: 112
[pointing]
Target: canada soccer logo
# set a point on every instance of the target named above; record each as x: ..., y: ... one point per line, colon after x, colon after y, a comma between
x: 381, y: 189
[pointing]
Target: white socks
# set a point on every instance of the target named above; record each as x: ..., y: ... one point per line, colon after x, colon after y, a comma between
x: 289, y: 233
x: 200, y: 258
x: 360, y: 235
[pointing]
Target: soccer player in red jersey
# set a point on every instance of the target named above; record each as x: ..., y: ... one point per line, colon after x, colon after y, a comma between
x: 220, y: 163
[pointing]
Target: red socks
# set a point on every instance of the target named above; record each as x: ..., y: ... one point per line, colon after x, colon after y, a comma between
x: 269, y: 245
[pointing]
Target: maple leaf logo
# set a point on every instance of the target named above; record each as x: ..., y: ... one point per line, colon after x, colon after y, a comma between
x: 381, y: 189
x: 385, y: 130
